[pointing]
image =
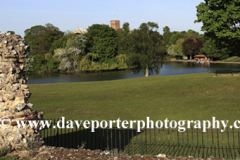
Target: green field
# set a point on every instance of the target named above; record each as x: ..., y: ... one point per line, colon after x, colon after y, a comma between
x: 231, y: 59
x: 177, y: 97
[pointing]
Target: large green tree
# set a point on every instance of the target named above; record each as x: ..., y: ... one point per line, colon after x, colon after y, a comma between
x: 178, y: 47
x: 220, y: 20
x: 191, y: 46
x: 145, y: 48
x: 41, y: 38
x: 211, y: 50
x: 176, y: 36
x: 122, y: 42
x: 60, y: 43
x: 101, y: 40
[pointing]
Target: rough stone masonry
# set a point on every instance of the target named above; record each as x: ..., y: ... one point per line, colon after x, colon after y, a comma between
x: 14, y: 94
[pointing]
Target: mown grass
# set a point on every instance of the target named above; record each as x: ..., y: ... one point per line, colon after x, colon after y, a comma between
x: 177, y: 97
x: 232, y: 59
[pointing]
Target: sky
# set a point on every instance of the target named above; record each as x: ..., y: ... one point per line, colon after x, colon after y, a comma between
x: 19, y: 15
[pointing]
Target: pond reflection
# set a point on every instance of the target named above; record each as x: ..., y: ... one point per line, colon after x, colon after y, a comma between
x: 171, y: 68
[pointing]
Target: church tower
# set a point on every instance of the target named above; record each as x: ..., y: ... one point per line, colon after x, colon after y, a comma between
x: 115, y: 24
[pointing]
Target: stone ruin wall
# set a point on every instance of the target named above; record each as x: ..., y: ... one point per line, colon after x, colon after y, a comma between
x: 14, y: 94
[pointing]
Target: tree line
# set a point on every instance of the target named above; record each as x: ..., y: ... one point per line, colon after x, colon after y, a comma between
x: 103, y: 48
x: 144, y: 48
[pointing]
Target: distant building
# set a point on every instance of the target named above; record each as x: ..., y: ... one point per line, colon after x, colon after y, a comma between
x: 115, y: 24
x: 80, y: 31
x: 202, y: 58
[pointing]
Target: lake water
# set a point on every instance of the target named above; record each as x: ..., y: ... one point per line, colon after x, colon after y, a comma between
x: 171, y: 68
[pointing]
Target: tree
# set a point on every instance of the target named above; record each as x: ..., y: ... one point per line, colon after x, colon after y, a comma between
x: 220, y: 20
x: 145, y: 49
x: 192, y: 33
x: 170, y: 51
x: 176, y: 36
x: 126, y: 27
x: 122, y: 42
x: 37, y: 63
x: 191, y: 46
x: 79, y: 42
x: 60, y: 43
x: 101, y: 40
x: 166, y: 29
x: 53, y: 65
x: 31, y: 36
x: 166, y: 37
x: 211, y: 50
x: 41, y: 38
x: 178, y: 48
x: 68, y: 58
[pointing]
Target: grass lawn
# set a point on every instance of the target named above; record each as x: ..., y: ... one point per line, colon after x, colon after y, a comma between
x: 231, y: 59
x: 177, y: 97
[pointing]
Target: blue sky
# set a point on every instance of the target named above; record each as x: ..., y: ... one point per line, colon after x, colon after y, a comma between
x: 19, y: 15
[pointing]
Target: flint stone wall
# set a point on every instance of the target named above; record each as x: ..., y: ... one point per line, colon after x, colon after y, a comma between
x: 14, y: 94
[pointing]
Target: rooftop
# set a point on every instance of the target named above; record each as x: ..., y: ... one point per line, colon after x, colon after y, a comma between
x: 200, y: 56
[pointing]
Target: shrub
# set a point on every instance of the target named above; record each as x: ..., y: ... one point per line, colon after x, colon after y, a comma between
x: 53, y: 65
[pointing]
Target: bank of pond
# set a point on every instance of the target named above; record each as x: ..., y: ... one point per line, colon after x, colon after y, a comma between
x: 171, y: 68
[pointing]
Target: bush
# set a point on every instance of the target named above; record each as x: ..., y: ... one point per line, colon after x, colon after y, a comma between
x: 53, y: 65
x: 37, y: 63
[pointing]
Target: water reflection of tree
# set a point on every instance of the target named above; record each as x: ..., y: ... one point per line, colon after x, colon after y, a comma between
x: 152, y: 71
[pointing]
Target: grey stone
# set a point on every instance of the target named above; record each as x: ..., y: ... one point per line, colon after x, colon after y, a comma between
x: 24, y: 140
x: 16, y: 141
x: 14, y: 52
x: 9, y: 137
x: 19, y: 135
x: 30, y: 105
x: 11, y: 97
x: 5, y: 109
x: 21, y: 44
x: 14, y: 93
x: 18, y: 146
x: 20, y: 106
x: 31, y: 139
x: 10, y: 47
x: 19, y: 130
x: 24, y: 86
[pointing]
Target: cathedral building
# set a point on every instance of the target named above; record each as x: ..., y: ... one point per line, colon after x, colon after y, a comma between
x: 115, y: 24
x: 80, y: 31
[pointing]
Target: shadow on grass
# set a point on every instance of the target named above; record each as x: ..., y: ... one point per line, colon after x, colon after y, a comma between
x: 148, y: 142
x: 102, y: 139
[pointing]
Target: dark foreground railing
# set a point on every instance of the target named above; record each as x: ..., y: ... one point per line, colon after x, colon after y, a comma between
x: 192, y: 142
